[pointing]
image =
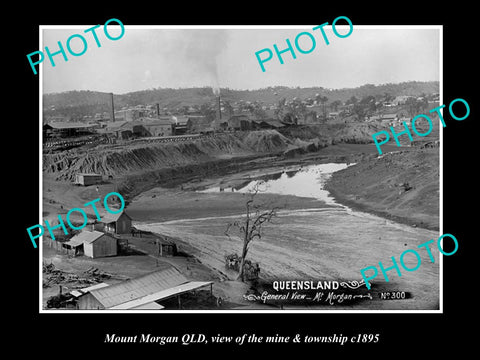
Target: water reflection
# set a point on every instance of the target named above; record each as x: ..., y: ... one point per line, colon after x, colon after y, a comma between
x: 307, y: 181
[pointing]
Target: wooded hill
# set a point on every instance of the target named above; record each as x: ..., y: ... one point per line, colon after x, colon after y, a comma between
x: 79, y: 103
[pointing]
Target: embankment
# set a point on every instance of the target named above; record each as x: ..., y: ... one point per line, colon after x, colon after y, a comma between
x: 133, y: 158
x: 402, y: 186
x: 133, y: 167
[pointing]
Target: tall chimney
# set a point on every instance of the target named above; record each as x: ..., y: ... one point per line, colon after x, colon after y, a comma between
x: 219, y: 110
x: 113, y: 108
x: 158, y: 109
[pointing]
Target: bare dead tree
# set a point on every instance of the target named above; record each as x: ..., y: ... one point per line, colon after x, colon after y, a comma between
x: 250, y: 227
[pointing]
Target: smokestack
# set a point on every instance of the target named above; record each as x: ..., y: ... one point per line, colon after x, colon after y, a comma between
x: 219, y: 110
x: 113, y: 108
x: 158, y: 109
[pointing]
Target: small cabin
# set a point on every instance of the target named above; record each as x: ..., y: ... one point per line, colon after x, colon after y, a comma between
x: 119, y: 223
x: 166, y: 247
x: 93, y: 244
x: 88, y: 179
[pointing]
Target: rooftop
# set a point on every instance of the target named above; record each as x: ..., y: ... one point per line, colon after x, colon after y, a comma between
x: 85, y: 237
x: 108, y: 217
x: 138, y: 288
x: 69, y: 125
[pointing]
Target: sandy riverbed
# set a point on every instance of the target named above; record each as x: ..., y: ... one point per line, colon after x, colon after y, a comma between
x: 308, y: 240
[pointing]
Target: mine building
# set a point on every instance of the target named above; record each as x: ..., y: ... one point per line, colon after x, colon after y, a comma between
x: 87, y: 179
x: 144, y: 292
x: 67, y: 129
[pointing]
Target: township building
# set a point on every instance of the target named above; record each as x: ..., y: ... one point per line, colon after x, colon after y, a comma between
x: 143, y: 292
x: 86, y: 179
x: 94, y: 244
x: 119, y: 223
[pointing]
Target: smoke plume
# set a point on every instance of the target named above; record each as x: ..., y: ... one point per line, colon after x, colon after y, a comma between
x: 199, y: 49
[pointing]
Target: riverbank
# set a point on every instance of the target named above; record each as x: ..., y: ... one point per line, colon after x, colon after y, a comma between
x: 401, y: 186
x: 309, y: 240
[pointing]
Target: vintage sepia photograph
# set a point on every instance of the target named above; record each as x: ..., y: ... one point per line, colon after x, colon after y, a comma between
x: 240, y: 168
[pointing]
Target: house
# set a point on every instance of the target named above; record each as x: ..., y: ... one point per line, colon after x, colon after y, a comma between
x: 119, y: 223
x: 388, y: 119
x: 94, y: 244
x: 333, y: 114
x: 87, y: 179
x: 139, y: 292
x: 401, y: 100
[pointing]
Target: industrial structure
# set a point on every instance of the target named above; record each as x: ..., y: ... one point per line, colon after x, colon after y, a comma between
x: 143, y: 292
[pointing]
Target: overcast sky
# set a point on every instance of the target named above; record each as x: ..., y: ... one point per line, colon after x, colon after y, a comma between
x: 164, y: 57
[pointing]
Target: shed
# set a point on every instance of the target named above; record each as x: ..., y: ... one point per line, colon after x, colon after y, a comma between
x: 100, y: 245
x: 139, y: 292
x: 94, y: 244
x: 87, y: 179
x: 66, y: 129
x: 119, y: 223
x: 166, y: 247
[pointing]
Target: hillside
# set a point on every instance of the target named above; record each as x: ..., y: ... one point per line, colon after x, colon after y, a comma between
x: 73, y: 103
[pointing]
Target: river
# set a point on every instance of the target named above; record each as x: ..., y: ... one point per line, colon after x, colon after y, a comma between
x: 326, y: 242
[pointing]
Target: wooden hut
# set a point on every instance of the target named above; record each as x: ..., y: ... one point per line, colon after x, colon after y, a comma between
x: 94, y: 244
x: 166, y: 247
x: 88, y: 179
x: 119, y: 223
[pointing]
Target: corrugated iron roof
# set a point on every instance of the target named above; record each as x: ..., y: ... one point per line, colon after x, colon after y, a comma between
x: 80, y: 292
x: 176, y: 290
x: 108, y: 217
x: 88, y: 174
x: 140, y: 287
x: 149, y: 306
x: 85, y: 237
x: 69, y: 125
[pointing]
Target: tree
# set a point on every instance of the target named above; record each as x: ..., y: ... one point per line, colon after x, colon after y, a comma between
x: 250, y: 227
x: 352, y: 100
x: 257, y: 111
x: 387, y: 97
x: 413, y: 106
x: 335, y: 104
x: 279, y: 112
x: 323, y: 100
